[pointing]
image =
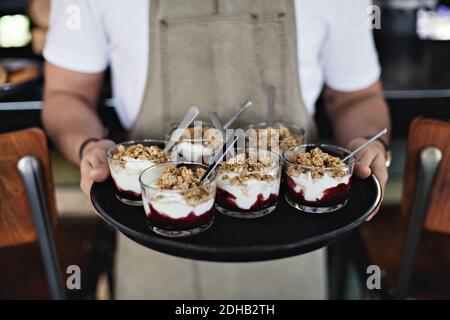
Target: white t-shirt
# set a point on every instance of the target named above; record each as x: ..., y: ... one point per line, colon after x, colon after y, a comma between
x: 335, y: 46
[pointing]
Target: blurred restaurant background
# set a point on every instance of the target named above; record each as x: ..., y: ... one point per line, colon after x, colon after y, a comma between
x: 414, y: 49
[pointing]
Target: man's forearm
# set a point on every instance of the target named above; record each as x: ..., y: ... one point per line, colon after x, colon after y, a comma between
x: 69, y: 121
x: 359, y: 114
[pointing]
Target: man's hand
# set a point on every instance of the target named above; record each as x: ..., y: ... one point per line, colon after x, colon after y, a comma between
x: 370, y: 160
x: 94, y: 164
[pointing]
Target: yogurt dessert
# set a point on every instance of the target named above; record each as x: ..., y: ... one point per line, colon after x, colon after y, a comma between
x: 127, y: 161
x: 317, y: 180
x: 197, y: 144
x: 277, y: 136
x: 248, y: 184
x: 174, y: 204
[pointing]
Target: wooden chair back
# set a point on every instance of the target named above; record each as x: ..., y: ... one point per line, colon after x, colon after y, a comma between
x: 16, y: 221
x: 426, y: 132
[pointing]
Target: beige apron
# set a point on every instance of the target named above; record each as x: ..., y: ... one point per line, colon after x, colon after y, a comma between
x: 215, y: 54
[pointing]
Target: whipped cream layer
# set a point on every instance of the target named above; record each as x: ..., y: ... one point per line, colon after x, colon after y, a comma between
x: 127, y: 177
x: 313, y: 189
x: 173, y: 205
x: 247, y: 194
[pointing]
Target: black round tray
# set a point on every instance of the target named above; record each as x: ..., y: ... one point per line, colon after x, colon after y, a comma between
x: 283, y: 233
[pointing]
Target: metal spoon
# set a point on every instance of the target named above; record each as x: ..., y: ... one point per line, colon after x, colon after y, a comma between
x: 218, y: 157
x: 238, y: 113
x: 190, y: 116
x: 375, y: 137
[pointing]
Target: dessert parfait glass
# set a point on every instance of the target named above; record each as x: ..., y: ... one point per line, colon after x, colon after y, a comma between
x: 174, y: 205
x: 248, y: 184
x: 126, y: 162
x: 198, y: 143
x: 276, y: 136
x: 316, y: 179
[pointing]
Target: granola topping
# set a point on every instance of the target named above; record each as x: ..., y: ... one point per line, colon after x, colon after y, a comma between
x: 315, y: 162
x: 281, y: 133
x: 185, y: 180
x: 248, y: 166
x: 140, y: 152
x: 210, y: 137
x: 287, y: 138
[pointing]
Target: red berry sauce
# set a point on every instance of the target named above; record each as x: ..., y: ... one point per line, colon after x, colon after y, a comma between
x: 127, y: 194
x: 228, y: 201
x: 163, y: 221
x: 331, y: 197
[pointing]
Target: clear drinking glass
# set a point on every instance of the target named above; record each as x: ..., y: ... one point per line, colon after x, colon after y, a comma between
x: 315, y: 190
x: 175, y: 213
x: 196, y: 147
x: 245, y: 194
x: 125, y: 173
